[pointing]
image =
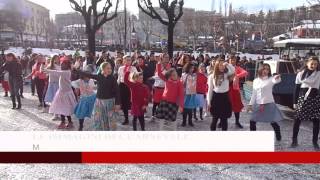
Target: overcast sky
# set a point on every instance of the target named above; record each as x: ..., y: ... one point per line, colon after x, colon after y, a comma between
x: 63, y: 6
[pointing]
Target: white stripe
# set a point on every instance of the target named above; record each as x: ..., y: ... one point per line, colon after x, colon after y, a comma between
x: 175, y: 141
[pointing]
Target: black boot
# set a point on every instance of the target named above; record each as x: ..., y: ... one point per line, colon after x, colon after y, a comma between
x: 126, y: 117
x: 316, y: 145
x: 294, y: 143
x: 237, y: 116
x: 13, y: 98
x: 253, y: 126
x: 277, y: 131
x: 195, y: 114
x: 184, y: 117
x: 19, y: 102
x: 81, y: 121
x: 5, y: 94
x: 201, y: 114
x: 190, y: 120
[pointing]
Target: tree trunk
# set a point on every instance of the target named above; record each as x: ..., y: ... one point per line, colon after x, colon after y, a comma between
x: 21, y: 36
x: 147, y: 41
x: 170, y: 39
x: 92, y: 42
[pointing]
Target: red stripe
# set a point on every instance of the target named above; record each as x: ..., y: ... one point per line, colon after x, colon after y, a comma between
x: 202, y: 157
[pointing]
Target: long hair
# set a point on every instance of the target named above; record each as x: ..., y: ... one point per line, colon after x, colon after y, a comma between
x: 216, y: 72
x: 187, y: 68
x: 262, y: 68
x: 312, y: 58
x: 52, y: 62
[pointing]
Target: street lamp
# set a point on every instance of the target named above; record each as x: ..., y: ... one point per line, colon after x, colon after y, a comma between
x: 133, y: 33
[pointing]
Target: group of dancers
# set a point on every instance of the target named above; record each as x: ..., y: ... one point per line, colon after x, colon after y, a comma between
x: 99, y: 93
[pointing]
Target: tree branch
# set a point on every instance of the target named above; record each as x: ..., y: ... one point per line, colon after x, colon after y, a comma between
x: 152, y: 12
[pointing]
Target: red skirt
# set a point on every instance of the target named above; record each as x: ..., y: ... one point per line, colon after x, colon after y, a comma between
x: 235, y: 98
x: 5, y: 86
x: 136, y: 110
x: 157, y: 94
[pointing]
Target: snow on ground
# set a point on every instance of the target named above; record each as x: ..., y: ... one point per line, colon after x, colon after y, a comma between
x: 50, y: 52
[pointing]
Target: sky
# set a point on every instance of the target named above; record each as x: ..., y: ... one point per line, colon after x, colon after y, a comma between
x: 63, y: 6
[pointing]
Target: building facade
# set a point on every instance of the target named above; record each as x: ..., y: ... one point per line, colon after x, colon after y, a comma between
x: 30, y: 25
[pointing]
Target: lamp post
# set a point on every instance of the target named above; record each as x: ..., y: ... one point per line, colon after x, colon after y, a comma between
x: 132, y: 34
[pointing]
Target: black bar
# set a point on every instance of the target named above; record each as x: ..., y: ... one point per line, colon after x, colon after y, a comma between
x: 40, y: 157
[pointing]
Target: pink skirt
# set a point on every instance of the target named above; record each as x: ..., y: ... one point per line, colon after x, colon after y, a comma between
x: 63, y: 103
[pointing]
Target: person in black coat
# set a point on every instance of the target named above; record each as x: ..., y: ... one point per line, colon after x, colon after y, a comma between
x: 15, y: 78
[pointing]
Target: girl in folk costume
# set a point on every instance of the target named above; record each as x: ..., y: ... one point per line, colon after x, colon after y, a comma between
x: 189, y: 78
x: 85, y: 90
x: 108, y: 97
x: 262, y: 102
x: 139, y: 98
x: 159, y: 84
x: 53, y: 84
x: 39, y: 78
x: 234, y: 91
x: 124, y: 89
x: 202, y: 89
x: 307, y: 100
x: 64, y: 101
x: 218, y: 94
x: 172, y: 98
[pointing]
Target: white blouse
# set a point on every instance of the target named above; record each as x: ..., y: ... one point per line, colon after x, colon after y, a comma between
x: 262, y: 90
x: 121, y: 73
x: 313, y: 81
x: 223, y: 88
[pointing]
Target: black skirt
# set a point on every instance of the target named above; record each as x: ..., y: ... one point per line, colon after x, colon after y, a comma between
x: 220, y: 105
x: 125, y: 96
x: 308, y: 109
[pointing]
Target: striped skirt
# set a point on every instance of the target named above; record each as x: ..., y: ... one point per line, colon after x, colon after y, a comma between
x: 104, y: 117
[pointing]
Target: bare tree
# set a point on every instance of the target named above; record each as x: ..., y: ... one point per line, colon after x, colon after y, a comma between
x: 94, y: 19
x: 169, y: 8
x: 40, y: 29
x: 146, y: 24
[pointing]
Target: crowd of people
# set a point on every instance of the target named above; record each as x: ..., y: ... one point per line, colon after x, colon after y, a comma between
x: 98, y: 88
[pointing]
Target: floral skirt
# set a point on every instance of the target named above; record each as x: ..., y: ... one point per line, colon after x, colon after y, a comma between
x: 104, y: 117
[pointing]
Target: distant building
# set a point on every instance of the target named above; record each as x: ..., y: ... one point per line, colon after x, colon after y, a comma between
x: 67, y: 19
x: 36, y: 21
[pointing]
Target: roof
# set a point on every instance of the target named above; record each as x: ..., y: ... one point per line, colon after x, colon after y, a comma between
x: 279, y: 37
x: 308, y: 26
x: 298, y: 43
